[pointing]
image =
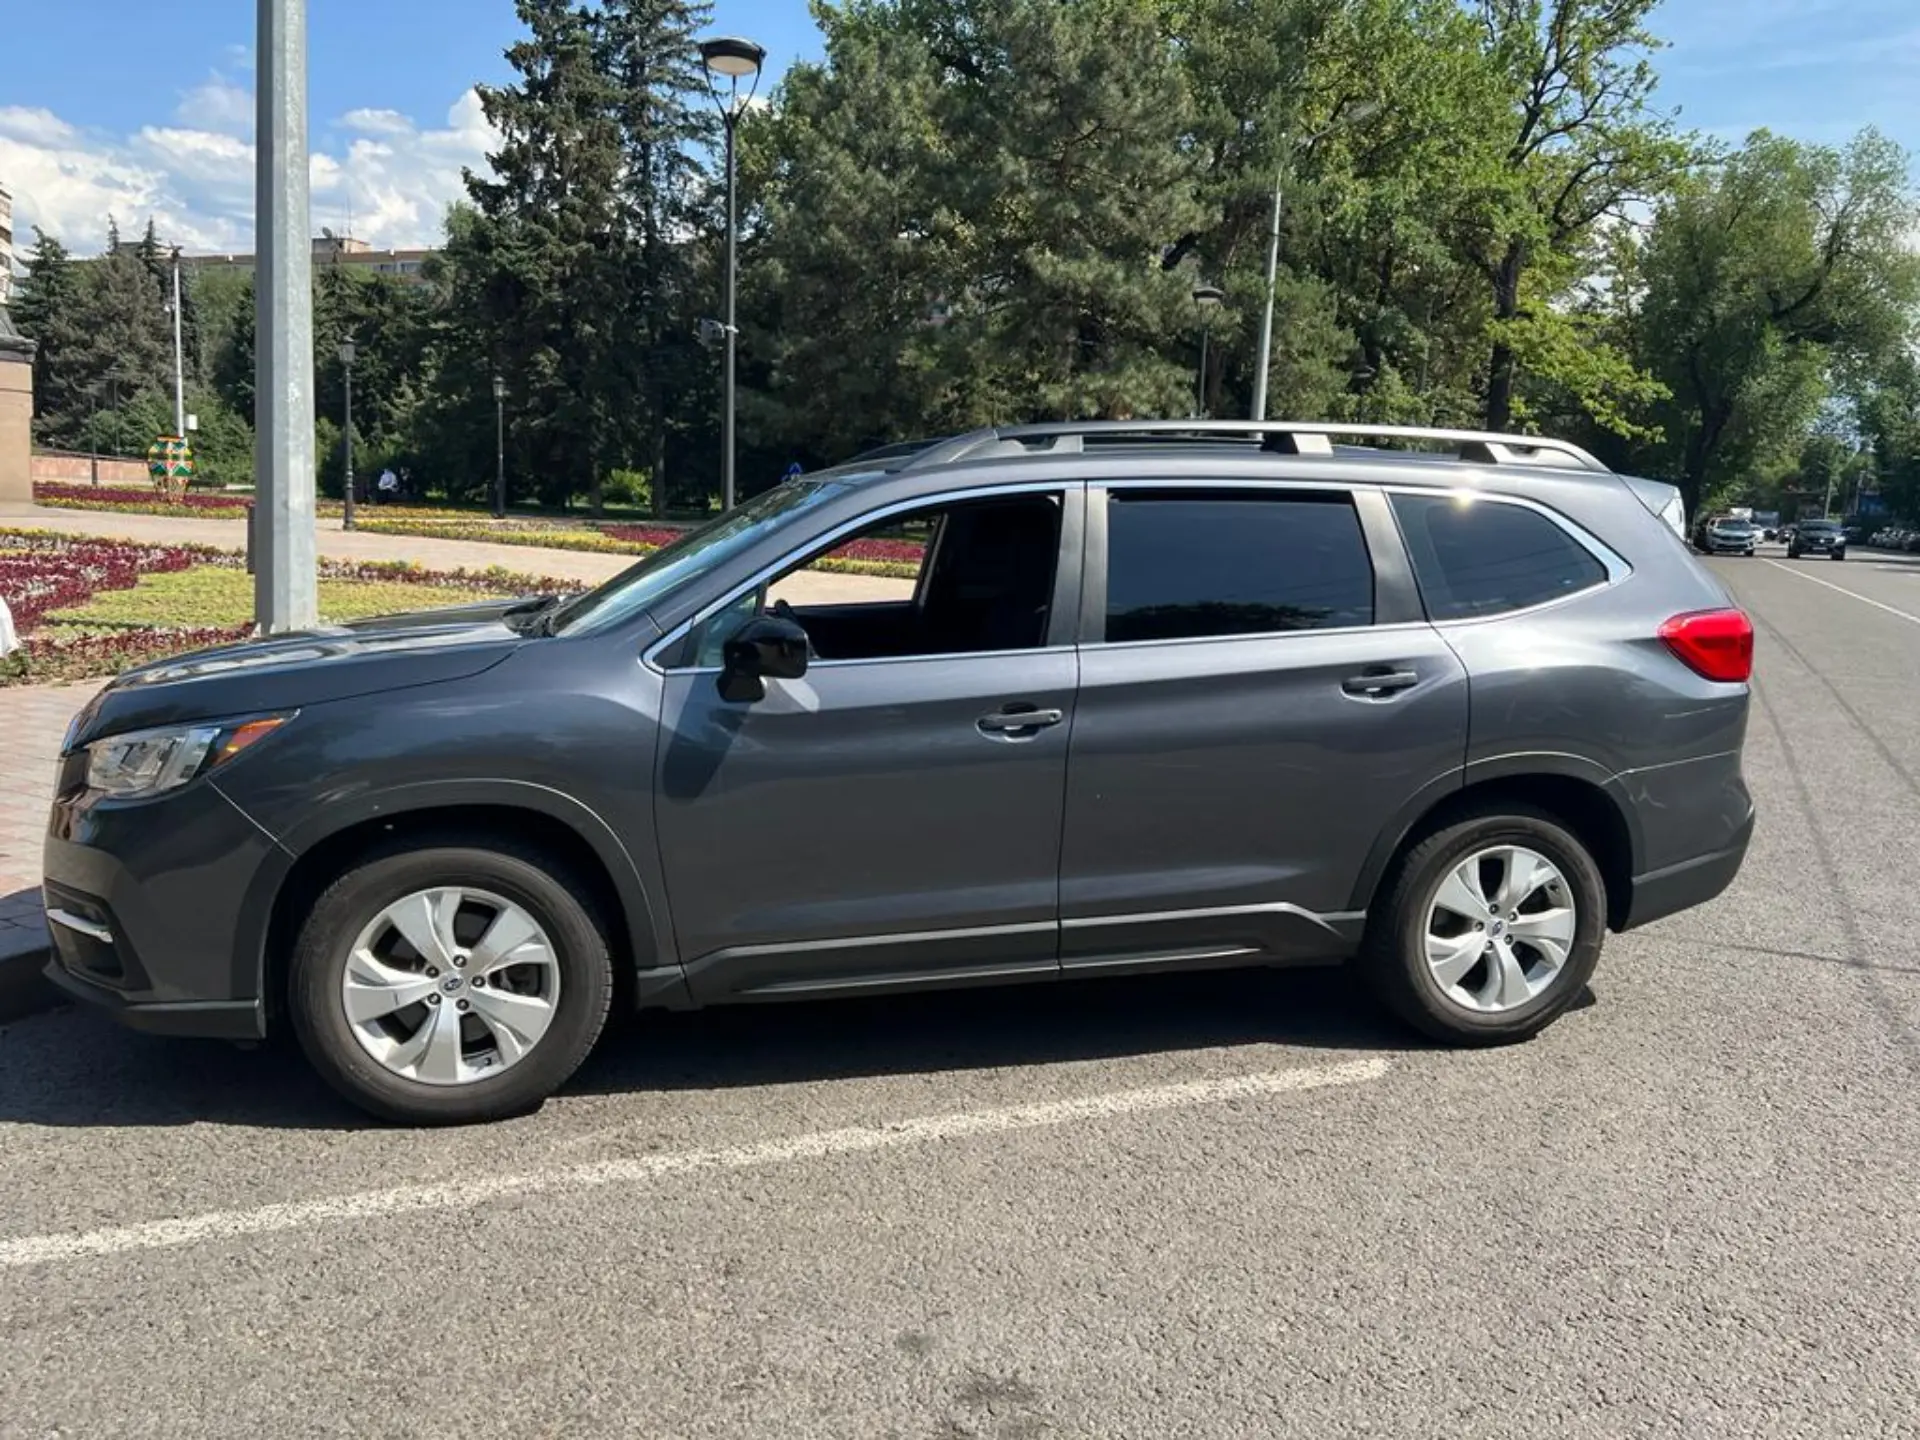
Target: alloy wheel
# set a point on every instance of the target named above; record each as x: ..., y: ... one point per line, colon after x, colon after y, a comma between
x: 1499, y: 928
x: 450, y: 985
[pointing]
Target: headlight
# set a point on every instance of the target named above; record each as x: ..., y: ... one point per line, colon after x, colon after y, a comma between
x: 147, y: 762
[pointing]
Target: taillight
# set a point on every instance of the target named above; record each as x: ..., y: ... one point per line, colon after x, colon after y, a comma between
x: 1717, y: 644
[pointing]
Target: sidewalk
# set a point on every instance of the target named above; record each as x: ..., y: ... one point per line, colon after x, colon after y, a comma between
x: 34, y: 719
x: 335, y: 543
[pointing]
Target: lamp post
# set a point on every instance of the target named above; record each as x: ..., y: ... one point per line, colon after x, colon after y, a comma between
x: 1207, y: 298
x: 1351, y: 114
x: 346, y: 492
x: 499, y: 448
x: 179, y: 362
x: 730, y: 58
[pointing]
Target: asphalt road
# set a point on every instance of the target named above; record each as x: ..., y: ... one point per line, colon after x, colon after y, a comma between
x: 1236, y: 1205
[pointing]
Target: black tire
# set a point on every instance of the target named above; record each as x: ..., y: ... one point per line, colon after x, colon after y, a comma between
x: 1393, y: 954
x: 519, y: 874
x: 1793, y: 554
x: 1839, y: 554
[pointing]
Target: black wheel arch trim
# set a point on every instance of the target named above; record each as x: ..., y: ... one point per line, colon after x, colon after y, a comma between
x: 1517, y: 766
x: 641, y: 897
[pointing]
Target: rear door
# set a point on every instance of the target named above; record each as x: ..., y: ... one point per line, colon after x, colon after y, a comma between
x: 1260, y: 697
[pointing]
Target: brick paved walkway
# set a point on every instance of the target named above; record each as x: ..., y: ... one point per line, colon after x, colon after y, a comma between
x: 335, y: 543
x: 33, y: 718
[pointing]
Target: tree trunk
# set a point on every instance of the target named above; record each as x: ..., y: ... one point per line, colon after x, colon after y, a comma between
x: 1500, y: 367
x: 657, y: 471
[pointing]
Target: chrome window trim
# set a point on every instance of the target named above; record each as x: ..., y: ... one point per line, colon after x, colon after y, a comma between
x: 821, y: 543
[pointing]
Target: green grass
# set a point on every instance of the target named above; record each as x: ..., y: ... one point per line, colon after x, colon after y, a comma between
x: 212, y: 595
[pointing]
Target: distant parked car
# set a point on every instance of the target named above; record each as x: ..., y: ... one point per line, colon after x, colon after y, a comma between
x: 1817, y: 537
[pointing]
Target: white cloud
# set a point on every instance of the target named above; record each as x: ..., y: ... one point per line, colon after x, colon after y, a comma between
x: 194, y: 178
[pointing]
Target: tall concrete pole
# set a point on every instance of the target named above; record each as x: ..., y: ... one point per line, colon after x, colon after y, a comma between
x: 179, y: 359
x: 284, y: 580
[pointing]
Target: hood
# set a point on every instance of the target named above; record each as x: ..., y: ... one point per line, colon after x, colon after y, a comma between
x: 303, y: 667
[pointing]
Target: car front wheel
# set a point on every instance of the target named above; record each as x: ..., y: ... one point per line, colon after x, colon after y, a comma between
x: 447, y: 984
x: 1488, y: 930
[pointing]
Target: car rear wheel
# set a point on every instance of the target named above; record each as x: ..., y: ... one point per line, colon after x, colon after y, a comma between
x: 1488, y: 930
x: 449, y: 984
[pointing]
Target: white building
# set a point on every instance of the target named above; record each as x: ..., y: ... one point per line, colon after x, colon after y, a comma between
x: 6, y: 246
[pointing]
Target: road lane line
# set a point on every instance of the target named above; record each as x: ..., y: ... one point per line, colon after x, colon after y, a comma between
x: 854, y: 1140
x: 1864, y: 600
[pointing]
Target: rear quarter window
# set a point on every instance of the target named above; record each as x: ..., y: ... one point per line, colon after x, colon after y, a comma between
x: 1475, y: 557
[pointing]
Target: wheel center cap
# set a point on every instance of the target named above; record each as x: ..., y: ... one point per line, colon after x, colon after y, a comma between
x: 453, y: 984
x: 1497, y: 928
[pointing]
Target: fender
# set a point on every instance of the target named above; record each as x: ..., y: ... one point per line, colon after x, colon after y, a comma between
x: 648, y: 923
x: 1519, y: 765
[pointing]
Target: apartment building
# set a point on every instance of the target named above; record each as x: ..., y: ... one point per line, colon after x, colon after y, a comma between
x: 6, y: 246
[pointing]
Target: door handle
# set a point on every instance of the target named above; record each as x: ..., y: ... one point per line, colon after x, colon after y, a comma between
x: 1380, y: 682
x: 1017, y: 722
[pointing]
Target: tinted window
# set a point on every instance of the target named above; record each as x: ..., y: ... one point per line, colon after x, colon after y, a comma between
x: 1233, y: 563
x: 1480, y: 557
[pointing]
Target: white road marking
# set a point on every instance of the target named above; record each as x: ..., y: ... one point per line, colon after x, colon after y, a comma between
x: 854, y: 1140
x: 1815, y: 580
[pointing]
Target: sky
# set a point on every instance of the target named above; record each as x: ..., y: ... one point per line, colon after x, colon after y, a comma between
x: 139, y: 108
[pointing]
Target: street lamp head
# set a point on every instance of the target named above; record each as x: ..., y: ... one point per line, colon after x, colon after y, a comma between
x: 732, y: 56
x: 346, y: 352
x: 499, y: 388
x: 1208, y: 296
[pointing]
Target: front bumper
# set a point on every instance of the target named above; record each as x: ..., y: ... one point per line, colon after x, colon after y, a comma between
x: 149, y: 913
x: 1717, y: 546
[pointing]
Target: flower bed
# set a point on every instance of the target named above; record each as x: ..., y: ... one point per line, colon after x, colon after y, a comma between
x: 39, y: 573
x: 126, y: 500
x: 43, y: 572
x: 899, y: 559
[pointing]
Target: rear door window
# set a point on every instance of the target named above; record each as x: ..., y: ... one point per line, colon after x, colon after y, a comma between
x: 1188, y: 564
x: 1476, y: 557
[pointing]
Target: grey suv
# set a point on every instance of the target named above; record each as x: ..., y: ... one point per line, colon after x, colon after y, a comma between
x: 1023, y: 705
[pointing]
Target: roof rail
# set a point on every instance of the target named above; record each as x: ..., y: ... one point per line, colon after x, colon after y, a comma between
x: 1285, y: 437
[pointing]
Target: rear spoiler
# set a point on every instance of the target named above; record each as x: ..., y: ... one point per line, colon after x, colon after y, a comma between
x: 1663, y: 500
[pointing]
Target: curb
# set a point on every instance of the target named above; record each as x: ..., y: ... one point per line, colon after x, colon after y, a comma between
x: 24, y: 990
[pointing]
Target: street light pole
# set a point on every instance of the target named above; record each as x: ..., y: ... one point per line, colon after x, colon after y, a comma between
x: 346, y: 364
x: 1350, y: 115
x: 733, y: 59
x: 179, y: 364
x: 500, y: 448
x: 1207, y: 298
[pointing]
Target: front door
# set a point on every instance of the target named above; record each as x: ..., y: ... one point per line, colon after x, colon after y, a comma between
x: 1245, y: 729
x: 893, y: 817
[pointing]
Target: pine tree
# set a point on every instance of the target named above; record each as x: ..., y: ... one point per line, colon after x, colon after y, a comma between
x: 48, y: 311
x: 550, y: 232
x: 647, y: 47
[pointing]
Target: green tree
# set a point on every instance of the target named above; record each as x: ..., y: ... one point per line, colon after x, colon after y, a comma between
x: 1766, y: 279
x: 665, y: 118
x: 1580, y: 143
x: 49, y: 310
x: 548, y: 243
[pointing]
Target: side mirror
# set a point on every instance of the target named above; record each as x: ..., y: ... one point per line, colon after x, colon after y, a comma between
x: 767, y: 647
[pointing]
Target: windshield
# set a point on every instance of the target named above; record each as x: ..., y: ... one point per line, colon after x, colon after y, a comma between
x: 1819, y: 524
x: 714, y: 543
x: 1734, y: 524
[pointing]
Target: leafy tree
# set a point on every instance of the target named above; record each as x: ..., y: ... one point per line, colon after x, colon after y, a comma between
x: 1580, y: 144
x: 1764, y: 279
